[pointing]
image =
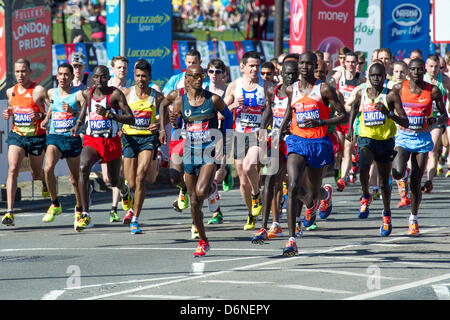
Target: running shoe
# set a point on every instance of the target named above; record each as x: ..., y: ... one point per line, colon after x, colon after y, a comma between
x: 45, y: 192
x: 448, y: 173
x: 310, y: 214
x: 214, y: 198
x: 413, y: 228
x: 250, y: 225
x: 439, y: 169
x: 202, y: 248
x: 404, y: 202
x: 427, y: 186
x: 290, y: 248
x: 8, y: 219
x: 183, y: 200
x: 340, y: 185
x: 134, y: 228
x: 256, y: 204
x: 217, y: 218
x: 364, y: 209
x: 113, y: 216
x: 376, y: 194
x: 228, y: 182
x: 127, y: 199
x: 386, y: 227
x: 351, y: 177
x: 337, y: 174
x: 260, y: 236
x: 52, y: 212
x: 128, y: 216
x: 82, y: 222
x: 402, y: 185
x: 194, y: 232
x: 175, y: 206
x: 275, y: 231
x: 298, y: 230
x: 326, y: 205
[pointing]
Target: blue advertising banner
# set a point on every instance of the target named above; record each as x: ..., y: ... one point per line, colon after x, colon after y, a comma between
x: 406, y: 26
x: 112, y: 28
x: 149, y: 36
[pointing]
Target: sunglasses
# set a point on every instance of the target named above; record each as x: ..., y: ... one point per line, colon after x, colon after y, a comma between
x: 196, y: 76
x: 211, y: 71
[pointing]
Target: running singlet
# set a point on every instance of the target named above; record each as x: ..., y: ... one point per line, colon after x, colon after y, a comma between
x: 97, y: 125
x: 374, y: 124
x: 347, y: 86
x: 309, y: 106
x: 63, y: 121
x: 248, y: 117
x: 144, y: 112
x: 417, y: 107
x: 279, y: 108
x: 199, y: 121
x: 21, y: 104
x: 441, y: 87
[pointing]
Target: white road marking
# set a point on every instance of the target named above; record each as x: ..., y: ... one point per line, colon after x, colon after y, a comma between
x: 300, y: 287
x: 345, y: 273
x: 252, y: 283
x: 163, y: 297
x: 441, y: 291
x: 53, y: 295
x: 410, y: 285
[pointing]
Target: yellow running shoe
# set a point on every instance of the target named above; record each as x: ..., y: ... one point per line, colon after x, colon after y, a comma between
x: 250, y: 225
x: 127, y: 199
x: 8, y: 219
x: 82, y: 222
x: 45, y: 192
x: 52, y: 212
x: 183, y: 200
x: 256, y: 204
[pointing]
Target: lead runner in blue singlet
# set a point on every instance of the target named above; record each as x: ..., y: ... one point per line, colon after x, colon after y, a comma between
x: 199, y: 109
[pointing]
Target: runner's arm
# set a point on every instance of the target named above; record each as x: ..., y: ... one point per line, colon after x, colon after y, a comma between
x: 437, y: 97
x: 395, y: 103
x: 118, y: 98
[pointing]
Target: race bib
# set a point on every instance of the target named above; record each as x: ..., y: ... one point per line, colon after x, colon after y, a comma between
x: 62, y: 121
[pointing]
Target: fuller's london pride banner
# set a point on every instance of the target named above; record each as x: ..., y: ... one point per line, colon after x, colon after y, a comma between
x: 31, y: 37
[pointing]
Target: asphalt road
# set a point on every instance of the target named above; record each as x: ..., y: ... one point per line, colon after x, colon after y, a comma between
x: 344, y: 259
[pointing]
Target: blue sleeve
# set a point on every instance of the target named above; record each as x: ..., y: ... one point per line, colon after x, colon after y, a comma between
x: 228, y: 121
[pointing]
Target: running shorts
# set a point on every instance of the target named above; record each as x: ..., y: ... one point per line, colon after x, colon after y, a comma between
x: 383, y: 150
x: 412, y: 141
x: 109, y: 149
x: 318, y: 152
x: 33, y: 145
x: 132, y: 145
x: 70, y: 147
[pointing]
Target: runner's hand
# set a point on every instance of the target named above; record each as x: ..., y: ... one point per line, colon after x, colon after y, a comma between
x: 100, y: 110
x: 163, y: 137
x: 7, y: 114
x: 173, y: 119
x: 67, y: 108
x: 34, y: 115
x: 349, y: 136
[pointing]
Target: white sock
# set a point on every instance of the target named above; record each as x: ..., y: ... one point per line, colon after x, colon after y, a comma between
x: 135, y: 219
x: 292, y: 239
x: 412, y: 217
x: 275, y: 224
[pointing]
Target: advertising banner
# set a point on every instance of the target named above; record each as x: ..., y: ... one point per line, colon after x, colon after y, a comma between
x: 3, y: 68
x: 32, y: 37
x: 298, y: 26
x: 441, y: 22
x: 149, y: 36
x: 332, y: 26
x: 406, y: 26
x: 367, y: 26
x: 112, y: 29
